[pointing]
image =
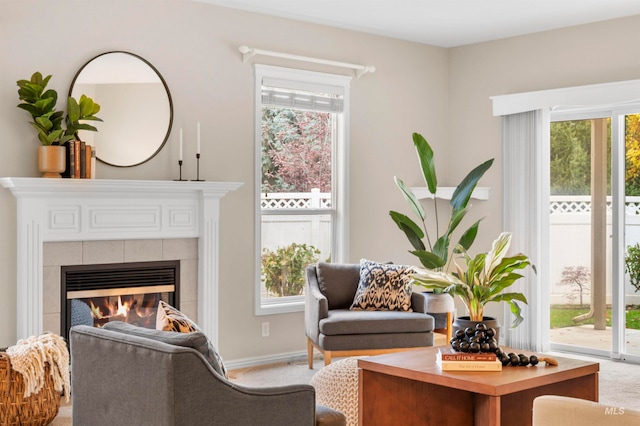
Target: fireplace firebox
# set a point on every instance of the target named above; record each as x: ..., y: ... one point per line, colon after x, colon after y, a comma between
x: 96, y: 294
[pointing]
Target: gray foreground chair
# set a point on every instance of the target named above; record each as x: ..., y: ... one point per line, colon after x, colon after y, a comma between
x: 335, y: 330
x: 120, y: 378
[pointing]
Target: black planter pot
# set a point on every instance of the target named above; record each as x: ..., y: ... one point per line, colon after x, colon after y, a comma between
x: 464, y: 322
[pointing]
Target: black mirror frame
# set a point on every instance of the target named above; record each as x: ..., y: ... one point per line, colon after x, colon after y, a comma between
x: 166, y: 88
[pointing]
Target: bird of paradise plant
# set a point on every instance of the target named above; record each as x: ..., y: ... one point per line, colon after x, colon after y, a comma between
x: 435, y: 253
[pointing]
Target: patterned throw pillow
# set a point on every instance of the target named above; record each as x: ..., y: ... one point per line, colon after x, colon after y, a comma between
x: 383, y: 287
x: 170, y: 319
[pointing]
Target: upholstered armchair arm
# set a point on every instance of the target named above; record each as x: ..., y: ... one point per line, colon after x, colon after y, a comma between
x: 316, y: 305
x: 418, y: 303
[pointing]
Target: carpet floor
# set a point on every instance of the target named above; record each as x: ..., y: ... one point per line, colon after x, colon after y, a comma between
x: 618, y: 381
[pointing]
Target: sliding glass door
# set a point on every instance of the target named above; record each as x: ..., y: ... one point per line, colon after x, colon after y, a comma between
x: 594, y: 233
x: 627, y: 298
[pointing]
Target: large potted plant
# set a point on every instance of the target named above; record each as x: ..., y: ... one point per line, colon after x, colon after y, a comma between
x: 485, y: 279
x: 432, y: 247
x: 40, y: 103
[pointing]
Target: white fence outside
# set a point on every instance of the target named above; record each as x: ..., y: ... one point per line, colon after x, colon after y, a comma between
x: 296, y: 200
x: 570, y: 244
x: 570, y: 234
x: 280, y: 230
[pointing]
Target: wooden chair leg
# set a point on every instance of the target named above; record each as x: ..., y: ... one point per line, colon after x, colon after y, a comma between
x: 327, y: 357
x: 310, y: 353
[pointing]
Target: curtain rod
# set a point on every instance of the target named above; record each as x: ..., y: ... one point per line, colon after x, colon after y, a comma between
x: 248, y: 52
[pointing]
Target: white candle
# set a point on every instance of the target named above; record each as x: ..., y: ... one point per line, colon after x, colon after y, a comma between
x: 180, y: 145
x: 198, y: 147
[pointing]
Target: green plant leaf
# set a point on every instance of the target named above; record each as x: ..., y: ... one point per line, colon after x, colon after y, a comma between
x: 92, y: 118
x: 456, y: 218
x: 409, y: 227
x: 505, y: 297
x: 425, y: 155
x: 517, y: 312
x: 468, y: 237
x: 84, y: 126
x: 441, y: 248
x: 463, y: 191
x: 497, y: 253
x: 73, y: 110
x: 51, y: 94
x: 30, y: 109
x: 44, y: 122
x: 429, y: 259
x: 88, y: 108
x: 431, y: 278
x: 411, y: 198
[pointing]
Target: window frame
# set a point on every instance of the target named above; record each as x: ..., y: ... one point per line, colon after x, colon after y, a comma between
x: 311, y: 80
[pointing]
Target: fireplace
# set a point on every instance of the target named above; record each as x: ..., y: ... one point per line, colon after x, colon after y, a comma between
x: 100, y: 293
x: 83, y: 212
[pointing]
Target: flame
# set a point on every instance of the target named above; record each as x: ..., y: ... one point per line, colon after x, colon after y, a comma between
x: 123, y: 309
x: 135, y: 309
x: 95, y: 311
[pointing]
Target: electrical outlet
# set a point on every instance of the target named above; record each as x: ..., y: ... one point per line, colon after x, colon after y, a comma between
x: 265, y: 329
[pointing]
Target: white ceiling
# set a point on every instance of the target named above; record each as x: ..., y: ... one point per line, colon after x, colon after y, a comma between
x: 445, y: 23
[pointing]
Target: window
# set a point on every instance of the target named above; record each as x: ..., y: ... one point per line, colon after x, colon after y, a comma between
x: 301, y: 156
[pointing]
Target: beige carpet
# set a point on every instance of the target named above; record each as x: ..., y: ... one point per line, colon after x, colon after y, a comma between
x: 618, y: 381
x: 64, y: 415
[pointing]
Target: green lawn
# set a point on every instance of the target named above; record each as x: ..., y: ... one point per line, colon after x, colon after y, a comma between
x: 562, y: 316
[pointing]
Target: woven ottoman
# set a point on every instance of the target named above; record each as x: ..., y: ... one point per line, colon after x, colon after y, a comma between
x: 336, y: 387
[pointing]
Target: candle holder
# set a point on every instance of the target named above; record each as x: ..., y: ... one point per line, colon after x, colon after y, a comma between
x: 180, y: 165
x: 197, y: 179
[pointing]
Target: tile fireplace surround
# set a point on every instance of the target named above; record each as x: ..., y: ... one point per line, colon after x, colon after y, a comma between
x: 103, y: 212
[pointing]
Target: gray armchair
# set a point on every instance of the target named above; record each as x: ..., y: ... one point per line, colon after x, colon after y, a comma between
x: 123, y: 378
x: 335, y: 330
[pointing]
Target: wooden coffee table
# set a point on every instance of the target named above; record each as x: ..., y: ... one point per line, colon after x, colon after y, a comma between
x: 409, y: 388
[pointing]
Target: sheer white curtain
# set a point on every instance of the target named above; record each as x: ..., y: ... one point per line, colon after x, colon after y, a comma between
x: 525, y: 204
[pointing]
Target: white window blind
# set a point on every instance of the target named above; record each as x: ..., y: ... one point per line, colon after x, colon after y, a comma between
x: 286, y: 98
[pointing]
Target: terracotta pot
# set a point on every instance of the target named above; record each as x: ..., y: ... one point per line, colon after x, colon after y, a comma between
x: 51, y: 160
x: 464, y: 322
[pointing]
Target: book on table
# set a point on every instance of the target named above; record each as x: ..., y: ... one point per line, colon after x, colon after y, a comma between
x: 450, y: 360
x: 470, y: 365
x: 448, y: 354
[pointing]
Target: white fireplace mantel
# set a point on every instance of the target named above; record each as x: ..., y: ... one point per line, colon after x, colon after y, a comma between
x: 101, y: 209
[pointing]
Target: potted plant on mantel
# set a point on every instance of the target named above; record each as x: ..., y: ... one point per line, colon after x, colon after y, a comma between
x: 40, y: 103
x: 434, y: 253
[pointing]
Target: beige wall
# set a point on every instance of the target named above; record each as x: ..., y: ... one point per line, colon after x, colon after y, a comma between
x: 195, y: 48
x: 441, y: 93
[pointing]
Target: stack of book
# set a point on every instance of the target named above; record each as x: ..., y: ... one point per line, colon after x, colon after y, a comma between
x: 78, y: 160
x: 450, y: 360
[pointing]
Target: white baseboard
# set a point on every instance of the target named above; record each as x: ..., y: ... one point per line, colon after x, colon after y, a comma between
x: 264, y: 360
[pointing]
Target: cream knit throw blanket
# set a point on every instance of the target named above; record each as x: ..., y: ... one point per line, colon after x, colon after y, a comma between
x: 28, y: 357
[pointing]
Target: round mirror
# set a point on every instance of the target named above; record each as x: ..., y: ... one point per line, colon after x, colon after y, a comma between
x: 135, y: 106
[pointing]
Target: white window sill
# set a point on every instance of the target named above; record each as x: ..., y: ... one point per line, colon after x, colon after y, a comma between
x: 274, y: 307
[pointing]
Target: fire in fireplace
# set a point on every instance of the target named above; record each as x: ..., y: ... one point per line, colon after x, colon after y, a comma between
x: 129, y: 292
